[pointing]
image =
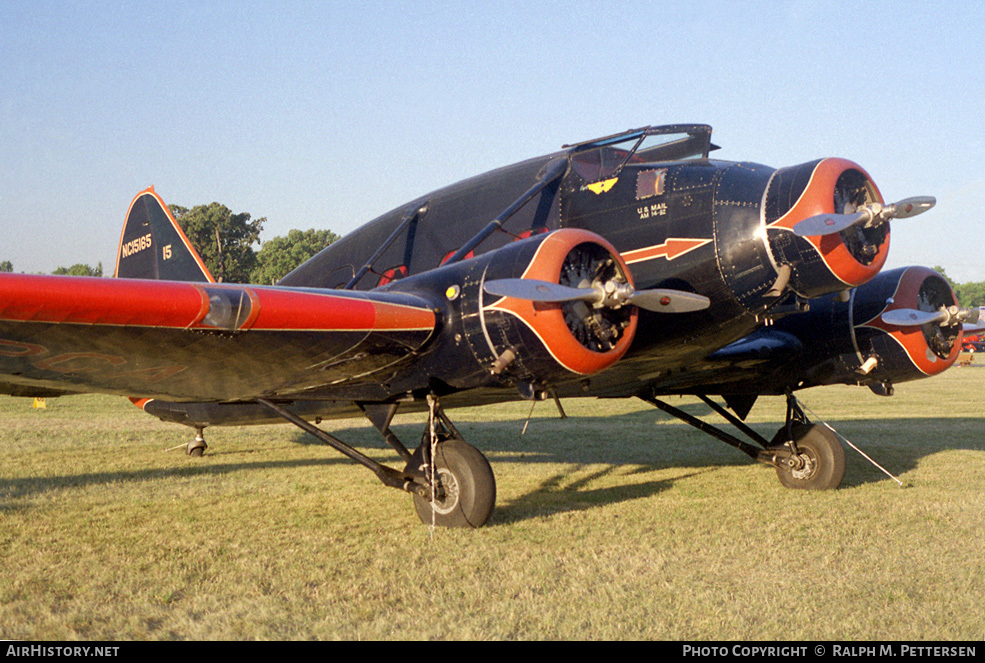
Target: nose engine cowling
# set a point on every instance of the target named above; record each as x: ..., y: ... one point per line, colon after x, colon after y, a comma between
x: 819, y: 264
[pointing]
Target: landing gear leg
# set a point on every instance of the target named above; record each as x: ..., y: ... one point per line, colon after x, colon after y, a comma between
x: 806, y: 456
x: 456, y: 489
x: 815, y: 458
x: 463, y: 487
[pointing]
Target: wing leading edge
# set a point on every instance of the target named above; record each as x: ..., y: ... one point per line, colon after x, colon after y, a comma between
x: 198, y: 341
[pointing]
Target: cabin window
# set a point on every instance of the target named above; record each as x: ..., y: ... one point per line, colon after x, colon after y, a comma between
x: 599, y: 163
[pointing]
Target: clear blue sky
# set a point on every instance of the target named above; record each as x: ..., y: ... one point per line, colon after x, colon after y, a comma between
x: 326, y: 114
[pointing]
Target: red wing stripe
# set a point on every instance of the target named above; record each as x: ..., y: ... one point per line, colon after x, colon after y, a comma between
x: 292, y: 310
x: 99, y: 301
x: 171, y: 304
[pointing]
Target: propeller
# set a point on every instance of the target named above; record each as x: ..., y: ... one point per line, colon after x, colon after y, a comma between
x: 867, y: 215
x: 612, y: 294
x: 910, y: 317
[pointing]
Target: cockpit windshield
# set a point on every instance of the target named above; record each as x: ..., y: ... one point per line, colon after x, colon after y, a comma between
x: 602, y: 158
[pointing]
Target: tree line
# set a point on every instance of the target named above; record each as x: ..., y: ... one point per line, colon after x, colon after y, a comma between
x: 968, y: 294
x: 226, y: 241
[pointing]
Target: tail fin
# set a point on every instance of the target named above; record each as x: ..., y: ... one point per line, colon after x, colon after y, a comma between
x: 153, y: 245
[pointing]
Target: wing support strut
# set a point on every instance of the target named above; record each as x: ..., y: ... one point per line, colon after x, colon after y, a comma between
x: 381, y: 416
x: 782, y: 450
x: 387, y: 475
x: 554, y: 171
x: 746, y: 448
x: 410, y: 217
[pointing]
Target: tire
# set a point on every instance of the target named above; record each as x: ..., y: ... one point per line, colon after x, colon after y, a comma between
x: 469, y: 484
x: 823, y: 456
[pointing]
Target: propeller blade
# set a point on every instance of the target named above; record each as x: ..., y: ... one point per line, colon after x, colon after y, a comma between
x: 972, y: 328
x: 540, y: 291
x: 662, y: 300
x: 911, y: 317
x: 908, y: 207
x: 952, y: 315
x: 828, y: 224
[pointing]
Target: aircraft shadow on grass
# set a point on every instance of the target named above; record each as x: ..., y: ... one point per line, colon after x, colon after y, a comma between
x: 650, y: 441
x: 645, y: 442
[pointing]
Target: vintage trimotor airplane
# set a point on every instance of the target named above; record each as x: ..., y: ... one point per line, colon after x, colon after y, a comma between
x: 629, y: 265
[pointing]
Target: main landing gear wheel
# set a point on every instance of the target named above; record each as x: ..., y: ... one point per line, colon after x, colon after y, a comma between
x: 820, y: 460
x: 466, y: 490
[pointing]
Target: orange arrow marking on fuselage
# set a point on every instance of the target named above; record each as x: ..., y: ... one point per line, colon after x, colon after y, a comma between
x: 674, y: 247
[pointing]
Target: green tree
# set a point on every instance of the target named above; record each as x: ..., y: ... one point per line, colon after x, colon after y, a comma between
x: 971, y: 294
x: 224, y: 240
x: 79, y: 269
x: 968, y: 294
x: 950, y: 282
x: 6, y: 266
x: 280, y: 255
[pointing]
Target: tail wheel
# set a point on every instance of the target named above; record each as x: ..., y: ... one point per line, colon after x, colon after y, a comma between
x: 197, y: 446
x: 820, y: 460
x: 466, y: 490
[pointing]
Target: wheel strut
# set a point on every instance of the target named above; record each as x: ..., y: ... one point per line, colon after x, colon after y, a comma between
x: 776, y: 452
x: 451, y: 481
x: 387, y: 475
x: 805, y: 455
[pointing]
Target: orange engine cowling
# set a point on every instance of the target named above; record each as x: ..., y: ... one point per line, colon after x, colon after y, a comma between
x: 913, y: 351
x: 495, y: 340
x: 579, y: 338
x: 824, y: 263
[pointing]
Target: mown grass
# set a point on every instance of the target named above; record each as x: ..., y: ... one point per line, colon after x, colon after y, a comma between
x: 616, y: 523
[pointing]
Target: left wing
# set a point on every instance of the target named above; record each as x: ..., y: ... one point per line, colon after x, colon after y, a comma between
x: 198, y: 341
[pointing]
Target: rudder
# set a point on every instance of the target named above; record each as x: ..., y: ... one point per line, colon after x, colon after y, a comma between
x: 153, y: 246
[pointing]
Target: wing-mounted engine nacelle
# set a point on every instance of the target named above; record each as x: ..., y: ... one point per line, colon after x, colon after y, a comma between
x: 804, y: 201
x: 516, y: 339
x: 902, y: 325
x: 537, y: 311
x: 908, y: 325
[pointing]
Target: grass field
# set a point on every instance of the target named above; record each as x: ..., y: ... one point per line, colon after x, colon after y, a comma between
x: 616, y: 523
